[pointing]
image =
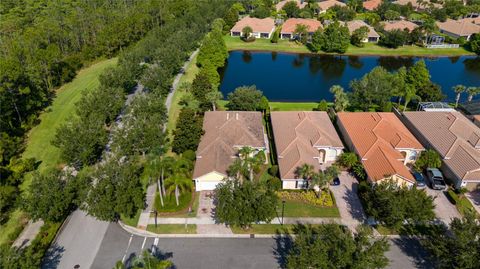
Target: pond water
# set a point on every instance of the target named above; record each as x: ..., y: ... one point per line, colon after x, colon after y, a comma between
x: 306, y: 77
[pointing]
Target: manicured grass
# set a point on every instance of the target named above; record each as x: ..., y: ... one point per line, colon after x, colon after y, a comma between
x: 408, y: 229
x: 267, y: 229
x: 383, y: 230
x: 61, y: 111
x: 292, y: 106
x: 190, y: 73
x: 13, y: 227
x: 300, y: 209
x: 172, y: 229
x: 131, y: 221
x: 461, y: 202
x: 170, y: 208
x: 234, y: 43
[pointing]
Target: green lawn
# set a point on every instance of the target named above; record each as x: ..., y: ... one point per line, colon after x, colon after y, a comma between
x: 172, y: 229
x: 461, y: 202
x: 131, y: 221
x: 190, y: 73
x: 292, y: 106
x: 170, y: 208
x: 13, y: 227
x: 299, y: 209
x: 235, y: 43
x: 61, y: 111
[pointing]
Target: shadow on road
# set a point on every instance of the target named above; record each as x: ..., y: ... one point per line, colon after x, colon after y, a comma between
x: 52, y: 257
x: 411, y: 247
x: 283, y: 244
x: 353, y: 202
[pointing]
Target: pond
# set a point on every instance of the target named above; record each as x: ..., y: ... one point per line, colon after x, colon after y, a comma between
x: 308, y: 78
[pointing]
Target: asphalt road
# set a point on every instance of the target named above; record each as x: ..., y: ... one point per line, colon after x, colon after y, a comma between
x: 227, y: 252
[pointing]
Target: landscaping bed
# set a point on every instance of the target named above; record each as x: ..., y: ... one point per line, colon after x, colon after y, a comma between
x: 172, y: 229
x: 461, y: 202
x: 170, y: 209
x: 306, y: 204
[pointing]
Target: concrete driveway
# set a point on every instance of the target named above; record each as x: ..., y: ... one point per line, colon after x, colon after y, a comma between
x: 348, y: 203
x: 444, y: 210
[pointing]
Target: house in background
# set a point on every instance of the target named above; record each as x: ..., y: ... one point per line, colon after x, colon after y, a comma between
x: 383, y: 143
x: 225, y: 133
x: 471, y: 20
x: 288, y: 28
x: 418, y: 5
x: 327, y: 4
x: 372, y: 35
x: 399, y: 25
x: 458, y: 28
x: 300, y: 4
x: 371, y: 5
x: 303, y: 138
x: 261, y: 28
x: 455, y: 138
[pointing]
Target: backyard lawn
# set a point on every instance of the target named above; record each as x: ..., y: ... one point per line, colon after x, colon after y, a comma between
x: 172, y: 228
x: 61, y: 111
x: 235, y: 43
x: 292, y: 106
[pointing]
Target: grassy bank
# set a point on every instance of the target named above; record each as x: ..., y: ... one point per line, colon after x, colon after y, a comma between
x: 235, y: 43
x: 292, y: 106
x: 172, y: 229
x: 61, y: 111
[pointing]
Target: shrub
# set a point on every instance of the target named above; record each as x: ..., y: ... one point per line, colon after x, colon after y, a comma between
x: 275, y: 183
x: 322, y: 106
x: 347, y: 159
x: 275, y: 36
x: 309, y: 197
x: 273, y: 170
x: 189, y: 155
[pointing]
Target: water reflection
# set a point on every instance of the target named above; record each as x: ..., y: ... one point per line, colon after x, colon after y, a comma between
x: 472, y: 64
x: 274, y: 56
x: 247, y: 56
x: 394, y: 63
x: 298, y: 61
x: 355, y: 62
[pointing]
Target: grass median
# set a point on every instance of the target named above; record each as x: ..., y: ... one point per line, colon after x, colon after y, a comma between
x: 172, y: 229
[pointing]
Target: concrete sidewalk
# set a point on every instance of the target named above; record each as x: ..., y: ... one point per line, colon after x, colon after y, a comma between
x: 207, y: 221
x: 28, y: 234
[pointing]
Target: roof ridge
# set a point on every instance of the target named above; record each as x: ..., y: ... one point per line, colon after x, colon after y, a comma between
x: 296, y: 162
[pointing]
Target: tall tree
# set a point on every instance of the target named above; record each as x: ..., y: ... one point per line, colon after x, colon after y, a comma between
x: 177, y: 184
x: 245, y: 99
x: 341, y: 101
x: 301, y: 32
x: 472, y: 91
x: 188, y: 131
x: 458, y: 89
x: 337, y: 38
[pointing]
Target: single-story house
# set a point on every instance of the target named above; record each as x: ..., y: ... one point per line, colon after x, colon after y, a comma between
x: 400, y: 25
x: 418, y: 5
x: 458, y: 28
x: 225, y: 133
x: 472, y: 20
x: 327, y: 4
x: 372, y: 35
x: 291, y: 24
x: 455, y: 138
x: 261, y: 28
x: 303, y: 138
x: 371, y: 5
x: 300, y: 4
x: 384, y: 145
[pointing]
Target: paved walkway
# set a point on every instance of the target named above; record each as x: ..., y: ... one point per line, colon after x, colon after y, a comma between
x: 145, y: 215
x: 348, y: 203
x: 28, y: 234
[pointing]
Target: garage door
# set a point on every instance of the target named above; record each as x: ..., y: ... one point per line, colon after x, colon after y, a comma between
x: 206, y: 186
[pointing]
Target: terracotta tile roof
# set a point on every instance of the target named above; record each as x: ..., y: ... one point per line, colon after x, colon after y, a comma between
x: 297, y: 135
x: 225, y: 133
x: 355, y: 24
x: 455, y: 137
x: 460, y: 28
x: 471, y: 20
x: 377, y: 138
x: 300, y: 4
x: 324, y: 5
x: 401, y: 25
x: 289, y: 26
x: 258, y: 25
x: 371, y: 4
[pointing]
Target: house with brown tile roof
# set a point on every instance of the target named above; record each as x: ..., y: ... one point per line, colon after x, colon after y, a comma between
x: 291, y: 24
x: 458, y: 28
x: 399, y: 25
x: 303, y: 137
x: 372, y: 35
x: 300, y: 4
x: 471, y: 20
x: 327, y: 4
x: 371, y: 5
x: 225, y: 133
x: 383, y: 143
x: 261, y: 28
x: 455, y: 138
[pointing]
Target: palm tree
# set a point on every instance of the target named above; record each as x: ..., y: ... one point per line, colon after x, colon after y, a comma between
x: 472, y: 91
x: 341, y: 99
x: 178, y: 183
x: 301, y: 31
x: 305, y: 171
x: 410, y: 94
x: 212, y: 97
x: 157, y: 168
x: 247, y: 31
x: 238, y: 169
x: 320, y: 180
x: 459, y: 89
x: 428, y: 27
